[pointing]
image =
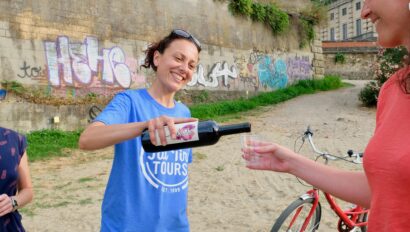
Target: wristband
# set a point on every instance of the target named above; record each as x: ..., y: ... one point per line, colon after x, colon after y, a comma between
x: 14, y: 203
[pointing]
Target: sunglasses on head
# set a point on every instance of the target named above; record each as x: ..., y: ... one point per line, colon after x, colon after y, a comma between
x: 186, y: 35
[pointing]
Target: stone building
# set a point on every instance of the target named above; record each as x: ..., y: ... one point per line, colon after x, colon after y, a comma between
x: 345, y: 22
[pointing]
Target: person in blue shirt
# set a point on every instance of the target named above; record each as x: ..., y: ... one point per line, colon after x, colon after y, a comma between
x: 148, y: 191
x: 15, y: 183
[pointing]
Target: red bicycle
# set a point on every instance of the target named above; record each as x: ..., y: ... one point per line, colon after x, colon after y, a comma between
x: 304, y: 214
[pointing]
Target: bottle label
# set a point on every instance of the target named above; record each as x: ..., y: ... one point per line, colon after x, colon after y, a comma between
x: 185, y: 132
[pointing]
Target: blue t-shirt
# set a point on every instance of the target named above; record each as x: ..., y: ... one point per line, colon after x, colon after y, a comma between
x: 12, y: 148
x: 145, y: 191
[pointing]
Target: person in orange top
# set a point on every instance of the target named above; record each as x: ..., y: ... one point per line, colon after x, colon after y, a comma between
x: 384, y: 186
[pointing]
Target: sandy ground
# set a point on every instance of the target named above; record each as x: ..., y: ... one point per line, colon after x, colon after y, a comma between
x: 223, y: 194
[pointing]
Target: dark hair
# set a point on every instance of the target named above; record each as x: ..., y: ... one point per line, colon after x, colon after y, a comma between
x: 164, y: 44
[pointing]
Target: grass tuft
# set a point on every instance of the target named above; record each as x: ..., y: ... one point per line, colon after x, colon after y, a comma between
x: 47, y: 143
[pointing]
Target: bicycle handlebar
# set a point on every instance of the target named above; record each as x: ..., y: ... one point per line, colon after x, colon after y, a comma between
x: 308, y: 134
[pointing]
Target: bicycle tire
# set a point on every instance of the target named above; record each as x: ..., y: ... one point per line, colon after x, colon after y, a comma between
x: 364, y: 219
x: 280, y: 224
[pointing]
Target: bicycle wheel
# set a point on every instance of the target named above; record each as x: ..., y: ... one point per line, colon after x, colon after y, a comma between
x: 363, y: 218
x: 342, y: 227
x: 293, y: 217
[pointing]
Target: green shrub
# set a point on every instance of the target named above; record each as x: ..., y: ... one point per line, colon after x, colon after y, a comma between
x: 258, y: 12
x: 306, y: 32
x: 241, y: 7
x: 276, y: 19
x: 388, y: 61
x: 340, y: 58
x: 368, y: 95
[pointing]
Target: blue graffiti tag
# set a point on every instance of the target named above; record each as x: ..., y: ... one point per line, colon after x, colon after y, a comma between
x: 271, y: 75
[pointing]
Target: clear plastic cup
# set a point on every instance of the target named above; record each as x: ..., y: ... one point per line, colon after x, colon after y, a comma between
x: 250, y: 141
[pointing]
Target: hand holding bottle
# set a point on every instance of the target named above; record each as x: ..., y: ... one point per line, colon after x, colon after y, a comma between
x: 188, y: 134
x: 161, y: 127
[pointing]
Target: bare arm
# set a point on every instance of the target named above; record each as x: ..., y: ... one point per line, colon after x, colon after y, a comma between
x: 98, y: 135
x: 25, y: 189
x: 349, y: 186
x: 346, y: 185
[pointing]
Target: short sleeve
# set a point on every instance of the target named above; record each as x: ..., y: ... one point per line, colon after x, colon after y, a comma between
x: 22, y: 145
x: 117, y: 111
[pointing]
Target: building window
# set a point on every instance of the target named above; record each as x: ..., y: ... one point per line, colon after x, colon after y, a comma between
x: 344, y: 31
x: 332, y: 16
x: 358, y: 27
x: 332, y: 34
x: 344, y: 11
x: 358, y: 5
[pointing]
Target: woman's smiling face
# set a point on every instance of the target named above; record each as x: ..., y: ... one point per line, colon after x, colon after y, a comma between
x: 177, y: 64
x: 392, y: 21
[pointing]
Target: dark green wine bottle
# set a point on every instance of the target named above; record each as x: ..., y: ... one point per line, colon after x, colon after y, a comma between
x: 194, y: 134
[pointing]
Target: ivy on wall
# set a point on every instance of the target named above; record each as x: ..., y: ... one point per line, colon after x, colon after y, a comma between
x: 278, y: 20
x: 39, y: 96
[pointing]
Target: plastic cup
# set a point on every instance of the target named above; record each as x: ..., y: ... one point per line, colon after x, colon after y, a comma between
x: 250, y: 141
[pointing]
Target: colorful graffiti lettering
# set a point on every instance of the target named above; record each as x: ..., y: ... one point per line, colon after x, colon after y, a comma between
x: 246, y: 73
x: 299, y: 67
x: 218, y: 70
x: 81, y: 62
x: 272, y: 75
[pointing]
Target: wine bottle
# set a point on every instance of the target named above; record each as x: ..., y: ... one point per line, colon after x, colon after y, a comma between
x: 193, y: 134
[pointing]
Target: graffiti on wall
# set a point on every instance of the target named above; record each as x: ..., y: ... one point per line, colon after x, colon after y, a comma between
x: 259, y: 70
x: 75, y: 64
x: 299, y: 67
x: 3, y: 94
x: 30, y: 72
x: 219, y: 70
x: 272, y: 74
x: 78, y: 68
x: 247, y: 74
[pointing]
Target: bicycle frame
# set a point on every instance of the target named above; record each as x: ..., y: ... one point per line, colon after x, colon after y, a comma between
x: 349, y: 217
x: 313, y: 193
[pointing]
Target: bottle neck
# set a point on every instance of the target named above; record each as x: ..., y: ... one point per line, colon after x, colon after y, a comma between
x: 234, y: 128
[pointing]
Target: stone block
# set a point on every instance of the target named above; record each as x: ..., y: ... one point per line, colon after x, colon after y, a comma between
x: 319, y: 63
x: 4, y: 25
x: 317, y: 43
x: 320, y: 71
x: 318, y: 56
x: 316, y: 50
